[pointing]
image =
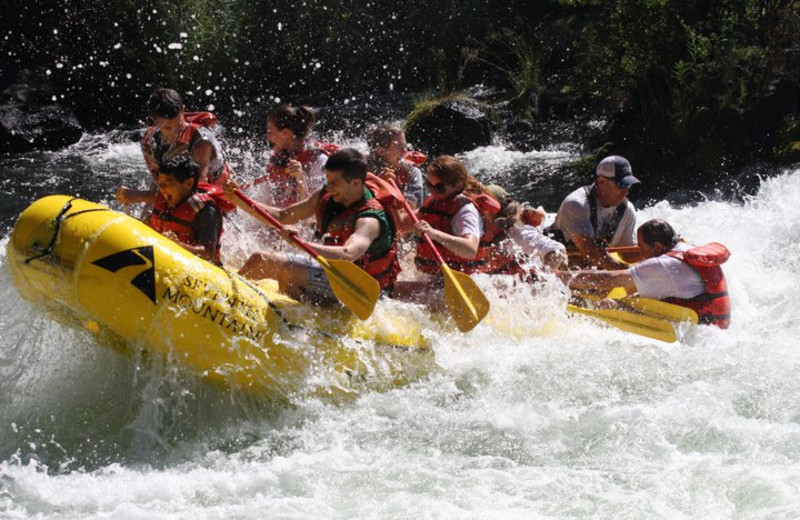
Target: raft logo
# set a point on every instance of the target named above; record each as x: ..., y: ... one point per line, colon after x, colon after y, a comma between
x: 144, y: 281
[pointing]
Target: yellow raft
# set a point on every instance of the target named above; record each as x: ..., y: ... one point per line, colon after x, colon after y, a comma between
x: 92, y: 267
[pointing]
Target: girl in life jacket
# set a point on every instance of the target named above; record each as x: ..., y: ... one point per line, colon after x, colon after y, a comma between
x: 458, y: 215
x: 521, y: 249
x: 176, y: 133
x: 295, y: 169
x: 187, y: 211
x: 388, y: 159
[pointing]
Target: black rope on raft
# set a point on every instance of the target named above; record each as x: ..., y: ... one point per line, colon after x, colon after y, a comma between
x: 56, y: 225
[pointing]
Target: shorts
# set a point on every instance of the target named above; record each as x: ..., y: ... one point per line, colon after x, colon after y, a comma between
x: 318, y: 288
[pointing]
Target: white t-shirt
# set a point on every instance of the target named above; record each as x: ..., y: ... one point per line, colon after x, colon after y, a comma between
x: 532, y: 242
x: 574, y: 219
x: 467, y: 221
x: 666, y: 277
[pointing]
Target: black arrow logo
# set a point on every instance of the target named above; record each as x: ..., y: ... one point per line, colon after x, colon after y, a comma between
x: 144, y: 281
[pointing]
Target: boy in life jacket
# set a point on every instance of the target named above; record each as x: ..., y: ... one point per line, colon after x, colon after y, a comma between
x: 598, y: 216
x: 352, y: 224
x: 387, y: 160
x: 177, y: 133
x: 295, y: 168
x: 671, y: 271
x: 187, y: 211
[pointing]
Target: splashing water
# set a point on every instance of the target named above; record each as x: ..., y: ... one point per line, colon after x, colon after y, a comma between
x: 534, y: 414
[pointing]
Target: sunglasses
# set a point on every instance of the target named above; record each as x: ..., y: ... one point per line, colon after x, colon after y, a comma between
x: 439, y: 187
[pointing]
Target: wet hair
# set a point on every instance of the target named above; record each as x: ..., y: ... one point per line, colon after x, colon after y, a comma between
x: 300, y: 120
x: 165, y: 103
x: 181, y: 168
x: 382, y: 136
x: 451, y: 171
x: 658, y: 230
x: 507, y: 218
x: 350, y: 162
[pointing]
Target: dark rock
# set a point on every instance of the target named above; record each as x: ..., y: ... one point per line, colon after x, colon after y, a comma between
x: 30, y: 119
x: 26, y: 127
x: 450, y: 127
x: 31, y: 87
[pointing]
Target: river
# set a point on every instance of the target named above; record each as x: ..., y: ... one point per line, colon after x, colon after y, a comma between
x: 534, y: 414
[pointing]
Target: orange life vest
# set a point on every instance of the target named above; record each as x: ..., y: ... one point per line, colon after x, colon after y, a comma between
x: 181, y: 219
x: 154, y: 155
x: 284, y: 186
x: 439, y: 214
x: 336, y: 227
x: 713, y: 305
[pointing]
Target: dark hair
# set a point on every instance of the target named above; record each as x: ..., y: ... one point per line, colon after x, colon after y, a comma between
x: 350, y: 162
x: 300, y: 120
x: 382, y: 136
x: 451, y: 171
x: 181, y: 168
x: 166, y: 103
x: 658, y: 230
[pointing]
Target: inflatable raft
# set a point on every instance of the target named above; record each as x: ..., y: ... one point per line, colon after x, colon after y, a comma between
x: 94, y: 268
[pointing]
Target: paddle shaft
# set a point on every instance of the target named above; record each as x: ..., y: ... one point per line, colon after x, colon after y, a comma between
x: 274, y: 222
x: 414, y: 219
x: 623, y: 249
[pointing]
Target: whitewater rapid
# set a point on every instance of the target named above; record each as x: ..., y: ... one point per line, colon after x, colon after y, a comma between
x: 534, y: 414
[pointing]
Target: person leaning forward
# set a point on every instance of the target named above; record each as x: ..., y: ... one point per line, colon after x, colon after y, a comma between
x: 672, y: 271
x: 175, y: 133
x: 598, y: 216
x: 351, y: 222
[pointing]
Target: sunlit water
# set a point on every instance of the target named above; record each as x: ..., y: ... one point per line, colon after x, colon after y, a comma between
x: 534, y: 414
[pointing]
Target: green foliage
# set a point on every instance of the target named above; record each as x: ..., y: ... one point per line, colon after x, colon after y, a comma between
x: 686, y: 70
x: 519, y: 61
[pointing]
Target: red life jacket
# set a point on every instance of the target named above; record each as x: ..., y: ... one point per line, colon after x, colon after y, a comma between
x: 338, y: 228
x: 283, y: 185
x: 183, y: 145
x: 500, y: 261
x: 416, y: 158
x: 181, y: 220
x: 439, y: 214
x: 713, y: 305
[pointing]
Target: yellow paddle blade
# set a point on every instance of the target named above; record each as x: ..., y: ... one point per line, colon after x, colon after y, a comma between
x: 617, y: 293
x: 663, y: 310
x: 464, y: 299
x: 646, y: 326
x: 354, y: 287
x: 648, y: 306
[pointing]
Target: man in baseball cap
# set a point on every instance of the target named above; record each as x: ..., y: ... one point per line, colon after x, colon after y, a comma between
x: 598, y: 216
x: 618, y: 168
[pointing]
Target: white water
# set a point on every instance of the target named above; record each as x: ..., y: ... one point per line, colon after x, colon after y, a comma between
x: 531, y: 416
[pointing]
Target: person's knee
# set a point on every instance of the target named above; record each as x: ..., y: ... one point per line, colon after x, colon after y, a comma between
x: 260, y: 263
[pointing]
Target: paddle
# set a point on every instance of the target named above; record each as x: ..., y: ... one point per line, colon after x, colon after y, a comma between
x: 354, y: 287
x: 623, y: 249
x: 630, y: 322
x: 655, y: 308
x: 464, y: 299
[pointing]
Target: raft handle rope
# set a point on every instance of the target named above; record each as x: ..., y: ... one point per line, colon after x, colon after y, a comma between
x: 56, y: 225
